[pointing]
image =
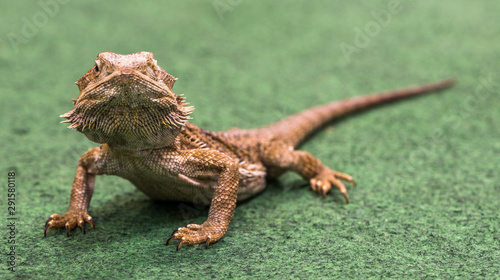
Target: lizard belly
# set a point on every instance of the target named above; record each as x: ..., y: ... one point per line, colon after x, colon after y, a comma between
x: 162, y: 184
x: 168, y: 188
x: 252, y: 180
x: 155, y: 175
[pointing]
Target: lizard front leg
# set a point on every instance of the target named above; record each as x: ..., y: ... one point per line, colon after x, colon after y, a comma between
x: 321, y: 178
x: 204, y: 164
x: 81, y: 193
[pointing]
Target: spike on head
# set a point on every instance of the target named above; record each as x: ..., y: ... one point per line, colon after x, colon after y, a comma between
x: 127, y: 100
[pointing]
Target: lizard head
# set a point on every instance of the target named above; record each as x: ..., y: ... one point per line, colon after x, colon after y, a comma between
x: 127, y: 100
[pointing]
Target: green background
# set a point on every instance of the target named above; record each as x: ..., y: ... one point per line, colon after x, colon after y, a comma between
x: 426, y: 204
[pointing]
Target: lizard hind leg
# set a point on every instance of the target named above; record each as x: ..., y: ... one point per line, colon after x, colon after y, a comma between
x: 321, y: 178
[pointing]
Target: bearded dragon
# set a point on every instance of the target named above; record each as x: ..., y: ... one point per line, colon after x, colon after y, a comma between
x: 127, y: 105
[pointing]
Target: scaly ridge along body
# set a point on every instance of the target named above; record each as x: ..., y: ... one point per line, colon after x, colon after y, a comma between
x: 126, y: 104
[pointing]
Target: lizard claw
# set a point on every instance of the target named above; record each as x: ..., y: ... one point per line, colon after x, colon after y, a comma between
x: 67, y: 230
x: 179, y: 244
x: 171, y: 237
x: 81, y: 224
x: 207, y: 243
x: 46, y: 228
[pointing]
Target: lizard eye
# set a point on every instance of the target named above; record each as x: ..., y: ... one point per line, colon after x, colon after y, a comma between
x: 97, y: 67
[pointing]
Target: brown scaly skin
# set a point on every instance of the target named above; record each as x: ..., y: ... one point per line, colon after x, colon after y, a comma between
x: 126, y: 103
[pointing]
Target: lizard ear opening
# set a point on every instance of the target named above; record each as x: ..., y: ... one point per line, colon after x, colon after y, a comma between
x: 161, y: 74
x: 90, y: 75
x: 82, y: 82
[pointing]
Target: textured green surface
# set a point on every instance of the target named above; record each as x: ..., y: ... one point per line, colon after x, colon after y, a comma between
x: 427, y: 169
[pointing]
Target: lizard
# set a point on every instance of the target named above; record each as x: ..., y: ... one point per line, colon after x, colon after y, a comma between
x: 127, y: 105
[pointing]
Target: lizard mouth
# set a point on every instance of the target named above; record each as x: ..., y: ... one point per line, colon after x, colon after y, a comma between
x: 130, y: 86
x: 128, y: 109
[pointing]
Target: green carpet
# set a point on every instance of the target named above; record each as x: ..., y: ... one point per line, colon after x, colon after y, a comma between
x: 426, y: 205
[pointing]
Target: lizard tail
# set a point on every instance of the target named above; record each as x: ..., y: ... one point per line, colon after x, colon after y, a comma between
x: 294, y: 129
